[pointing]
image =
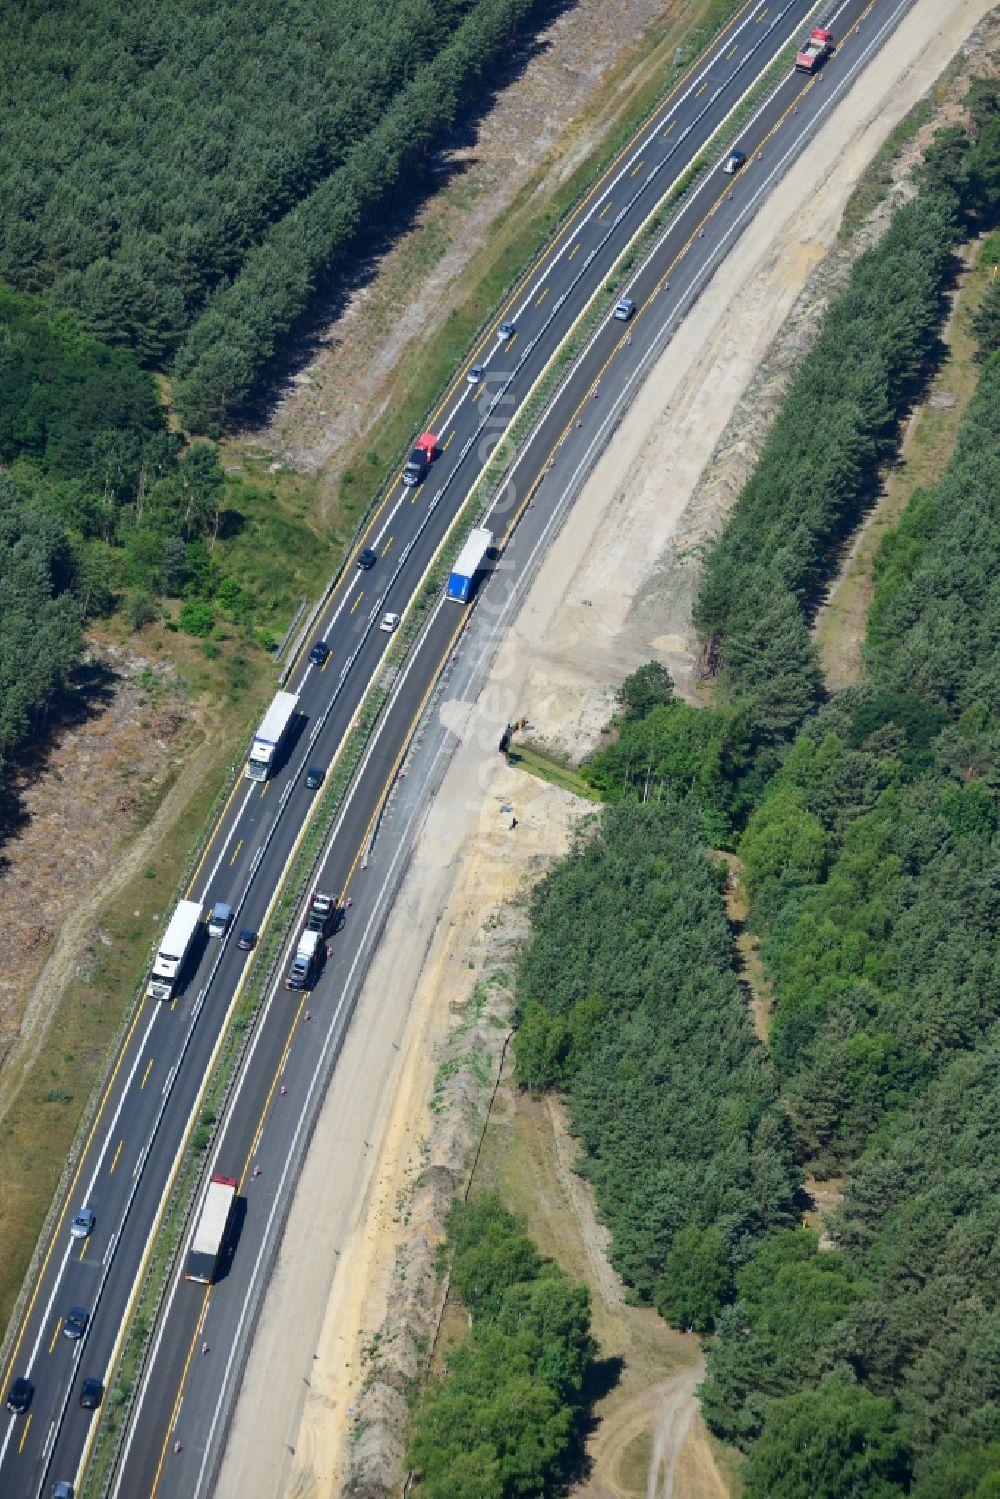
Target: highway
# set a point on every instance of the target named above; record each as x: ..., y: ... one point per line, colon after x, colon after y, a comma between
x: 151, y: 1102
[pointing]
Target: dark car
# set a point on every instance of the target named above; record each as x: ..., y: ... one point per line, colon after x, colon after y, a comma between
x: 315, y: 776
x: 367, y: 559
x: 247, y: 940
x: 319, y: 653
x: 19, y: 1395
x: 92, y: 1394
x: 733, y: 162
x: 75, y: 1322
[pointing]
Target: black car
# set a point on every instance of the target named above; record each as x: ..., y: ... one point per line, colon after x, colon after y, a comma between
x: 247, y: 940
x: 367, y: 559
x: 19, y: 1395
x: 75, y: 1322
x: 92, y: 1394
x: 319, y: 653
x: 315, y: 776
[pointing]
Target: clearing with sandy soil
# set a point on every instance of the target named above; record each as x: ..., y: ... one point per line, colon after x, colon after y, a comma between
x: 121, y: 773
x: 585, y: 623
x: 543, y: 119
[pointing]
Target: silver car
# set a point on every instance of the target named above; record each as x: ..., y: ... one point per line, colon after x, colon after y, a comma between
x: 83, y: 1224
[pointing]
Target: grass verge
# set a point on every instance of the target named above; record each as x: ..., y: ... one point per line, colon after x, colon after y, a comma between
x: 516, y: 250
x: 632, y: 91
x: 182, y: 1198
x: 927, y: 448
x: 542, y: 765
x: 875, y: 181
x: 116, y: 1410
x: 43, y: 1131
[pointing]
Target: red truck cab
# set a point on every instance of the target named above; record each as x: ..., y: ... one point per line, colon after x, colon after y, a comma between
x: 421, y: 458
x: 815, y: 52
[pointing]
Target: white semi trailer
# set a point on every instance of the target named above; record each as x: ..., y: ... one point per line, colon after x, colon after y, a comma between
x: 165, y: 975
x: 271, y: 735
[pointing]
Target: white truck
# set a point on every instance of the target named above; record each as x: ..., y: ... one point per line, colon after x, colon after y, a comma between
x: 271, y: 735
x: 305, y: 964
x: 210, y: 1235
x: 173, y: 950
x: 468, y: 562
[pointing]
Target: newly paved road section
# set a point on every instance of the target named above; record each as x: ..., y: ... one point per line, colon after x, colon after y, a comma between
x: 152, y: 1096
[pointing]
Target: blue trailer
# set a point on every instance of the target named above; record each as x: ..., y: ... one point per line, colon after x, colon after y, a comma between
x: 468, y: 562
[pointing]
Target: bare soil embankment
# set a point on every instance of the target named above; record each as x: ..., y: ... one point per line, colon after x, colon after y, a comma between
x: 603, y: 604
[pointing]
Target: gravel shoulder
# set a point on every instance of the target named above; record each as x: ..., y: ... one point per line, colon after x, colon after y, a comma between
x: 604, y: 602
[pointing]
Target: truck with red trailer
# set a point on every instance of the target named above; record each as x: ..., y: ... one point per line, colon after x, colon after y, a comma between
x: 322, y: 913
x: 815, y: 52
x: 420, y: 459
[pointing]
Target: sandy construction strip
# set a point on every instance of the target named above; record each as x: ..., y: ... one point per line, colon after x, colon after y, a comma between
x: 579, y: 631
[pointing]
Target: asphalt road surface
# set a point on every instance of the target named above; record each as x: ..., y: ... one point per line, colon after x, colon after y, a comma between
x: 151, y: 1102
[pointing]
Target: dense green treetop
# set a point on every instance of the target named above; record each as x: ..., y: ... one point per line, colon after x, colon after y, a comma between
x: 502, y: 1422
x: 627, y: 996
x: 192, y: 176
x: 837, y: 1441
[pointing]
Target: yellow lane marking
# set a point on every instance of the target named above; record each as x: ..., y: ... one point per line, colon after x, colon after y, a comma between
x: 404, y: 746
x: 637, y: 167
x: 669, y: 128
x: 180, y: 1387
x: 732, y: 51
x: 196, y: 1337
x: 447, y: 651
x: 145, y: 1075
x: 263, y: 789
x: 118, y: 1152
x: 387, y: 546
x: 193, y: 1119
x: 270, y: 1092
x: 531, y: 274
x: 70, y: 1193
x: 215, y: 833
x: 541, y: 299
x: 236, y: 851
x: 451, y: 439
x: 664, y: 279
x: 55, y: 1336
x: 763, y: 13
x: 511, y: 341
x: 702, y: 89
x: 357, y: 601
x: 326, y: 662
x: 526, y: 500
x: 165, y: 1197
x: 83, y: 1250
x: 24, y: 1433
x: 574, y: 250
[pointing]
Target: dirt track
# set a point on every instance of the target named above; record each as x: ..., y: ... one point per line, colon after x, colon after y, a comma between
x: 589, y: 619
